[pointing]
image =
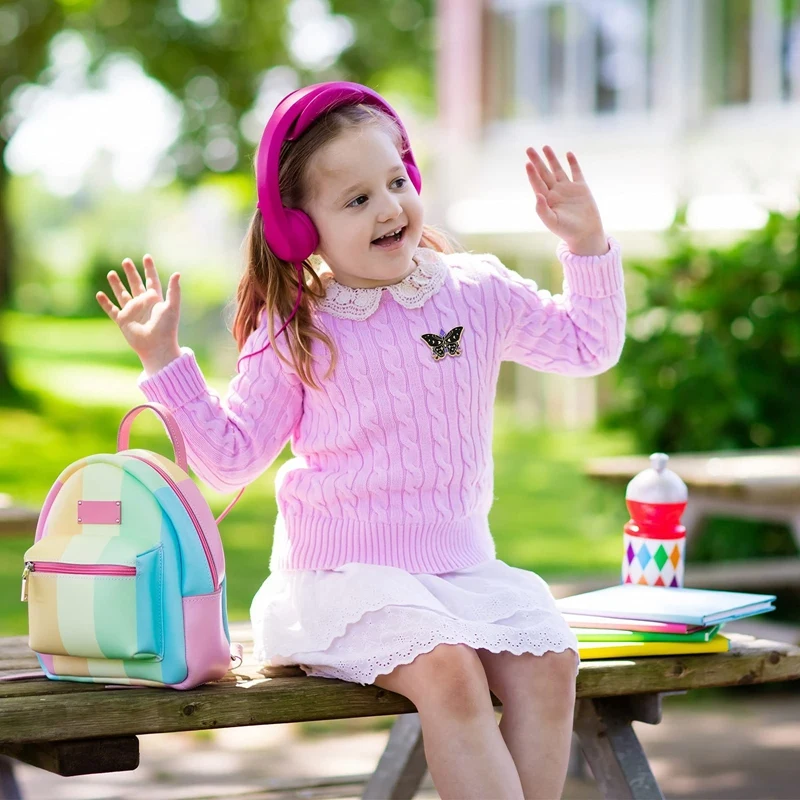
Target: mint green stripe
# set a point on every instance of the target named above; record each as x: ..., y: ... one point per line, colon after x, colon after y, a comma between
x: 141, y: 514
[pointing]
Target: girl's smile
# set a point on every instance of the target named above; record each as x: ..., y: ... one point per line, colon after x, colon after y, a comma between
x: 391, y: 241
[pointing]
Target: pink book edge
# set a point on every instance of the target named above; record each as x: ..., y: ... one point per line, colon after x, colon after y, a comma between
x: 586, y: 621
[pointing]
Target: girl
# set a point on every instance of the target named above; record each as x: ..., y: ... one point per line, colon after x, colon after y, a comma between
x: 383, y: 567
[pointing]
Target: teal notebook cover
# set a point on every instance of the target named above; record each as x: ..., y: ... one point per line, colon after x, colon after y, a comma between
x: 601, y: 635
x: 667, y: 604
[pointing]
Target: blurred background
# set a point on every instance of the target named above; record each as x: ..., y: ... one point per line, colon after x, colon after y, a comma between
x: 130, y: 127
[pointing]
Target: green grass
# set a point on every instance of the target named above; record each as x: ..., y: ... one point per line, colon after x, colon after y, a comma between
x: 546, y: 516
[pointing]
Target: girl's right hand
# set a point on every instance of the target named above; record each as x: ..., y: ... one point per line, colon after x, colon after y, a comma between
x: 148, y: 321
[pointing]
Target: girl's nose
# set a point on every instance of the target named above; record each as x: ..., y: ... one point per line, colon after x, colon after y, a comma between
x: 390, y: 209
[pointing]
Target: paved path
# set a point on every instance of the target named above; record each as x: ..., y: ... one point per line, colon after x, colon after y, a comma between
x: 745, y: 747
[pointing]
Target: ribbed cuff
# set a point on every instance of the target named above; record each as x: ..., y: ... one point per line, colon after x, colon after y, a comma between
x: 180, y: 382
x: 593, y: 276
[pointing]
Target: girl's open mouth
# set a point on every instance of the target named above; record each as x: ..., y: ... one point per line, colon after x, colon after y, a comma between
x: 392, y: 240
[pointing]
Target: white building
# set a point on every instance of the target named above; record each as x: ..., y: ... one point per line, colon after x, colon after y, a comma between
x: 663, y: 101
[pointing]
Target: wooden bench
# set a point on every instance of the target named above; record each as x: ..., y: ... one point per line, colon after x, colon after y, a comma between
x: 75, y: 728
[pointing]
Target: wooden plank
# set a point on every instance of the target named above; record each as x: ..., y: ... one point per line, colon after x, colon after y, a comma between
x: 84, y: 757
x: 766, y: 475
x: 42, y: 710
x: 402, y: 766
x: 16, y: 519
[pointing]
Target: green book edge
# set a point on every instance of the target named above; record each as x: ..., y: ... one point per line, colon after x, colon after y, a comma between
x: 607, y: 635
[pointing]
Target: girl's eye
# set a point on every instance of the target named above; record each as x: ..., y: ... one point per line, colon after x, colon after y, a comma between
x: 355, y: 203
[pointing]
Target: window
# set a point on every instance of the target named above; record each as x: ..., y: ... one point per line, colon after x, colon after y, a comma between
x: 729, y: 56
x: 790, y: 49
x: 555, y: 57
x: 623, y: 53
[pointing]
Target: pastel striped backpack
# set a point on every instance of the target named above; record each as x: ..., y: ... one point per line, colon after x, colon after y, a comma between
x: 125, y: 582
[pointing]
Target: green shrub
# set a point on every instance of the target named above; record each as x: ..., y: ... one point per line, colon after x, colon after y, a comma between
x: 712, y: 358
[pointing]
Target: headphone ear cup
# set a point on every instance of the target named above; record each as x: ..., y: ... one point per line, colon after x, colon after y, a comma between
x: 298, y: 238
x: 414, y: 176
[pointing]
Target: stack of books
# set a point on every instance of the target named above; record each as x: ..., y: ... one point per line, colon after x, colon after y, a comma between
x: 632, y: 620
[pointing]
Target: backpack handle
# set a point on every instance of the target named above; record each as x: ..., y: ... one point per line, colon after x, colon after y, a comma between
x: 173, y: 431
x: 175, y: 436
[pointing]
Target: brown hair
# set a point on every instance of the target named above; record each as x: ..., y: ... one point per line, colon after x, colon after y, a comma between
x: 270, y: 283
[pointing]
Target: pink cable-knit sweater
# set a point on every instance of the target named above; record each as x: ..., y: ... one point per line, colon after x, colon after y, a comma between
x: 393, y: 457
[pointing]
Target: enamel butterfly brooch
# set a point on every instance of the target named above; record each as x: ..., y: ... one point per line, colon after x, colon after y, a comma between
x: 445, y: 343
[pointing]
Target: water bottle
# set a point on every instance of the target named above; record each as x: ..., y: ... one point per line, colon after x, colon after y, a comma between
x: 654, y: 539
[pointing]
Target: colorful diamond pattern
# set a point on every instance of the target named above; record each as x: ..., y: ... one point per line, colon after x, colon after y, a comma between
x: 652, y: 562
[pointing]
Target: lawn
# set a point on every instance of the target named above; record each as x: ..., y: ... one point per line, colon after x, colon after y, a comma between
x: 546, y: 516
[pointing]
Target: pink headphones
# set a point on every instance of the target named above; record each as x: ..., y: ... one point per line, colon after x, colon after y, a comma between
x: 289, y: 232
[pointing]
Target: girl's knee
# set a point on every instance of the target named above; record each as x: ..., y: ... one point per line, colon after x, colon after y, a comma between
x: 449, y: 679
x: 547, y: 679
x: 555, y: 681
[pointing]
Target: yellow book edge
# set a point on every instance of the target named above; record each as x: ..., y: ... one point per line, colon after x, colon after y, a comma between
x: 593, y: 650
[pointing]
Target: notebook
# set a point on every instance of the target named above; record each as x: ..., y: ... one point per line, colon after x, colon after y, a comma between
x: 587, y: 621
x: 601, y: 635
x: 592, y: 650
x: 702, y: 607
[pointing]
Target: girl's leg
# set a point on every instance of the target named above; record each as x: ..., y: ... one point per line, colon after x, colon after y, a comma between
x: 538, y: 697
x: 466, y: 754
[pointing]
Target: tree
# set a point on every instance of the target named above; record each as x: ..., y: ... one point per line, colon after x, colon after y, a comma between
x: 222, y: 57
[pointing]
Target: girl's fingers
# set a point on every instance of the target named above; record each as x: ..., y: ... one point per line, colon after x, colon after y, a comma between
x: 107, y: 305
x: 153, y: 281
x: 537, y: 184
x: 555, y: 164
x: 134, y: 279
x: 577, y: 173
x: 118, y: 287
x: 541, y: 168
x: 173, y: 298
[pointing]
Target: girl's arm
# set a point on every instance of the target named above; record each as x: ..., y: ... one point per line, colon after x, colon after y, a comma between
x: 230, y: 441
x: 578, y: 332
x: 581, y: 331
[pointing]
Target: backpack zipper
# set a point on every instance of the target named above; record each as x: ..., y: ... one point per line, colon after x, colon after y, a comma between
x: 174, y: 486
x: 55, y: 568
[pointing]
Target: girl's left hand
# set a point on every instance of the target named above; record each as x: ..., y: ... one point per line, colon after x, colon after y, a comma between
x: 566, y: 207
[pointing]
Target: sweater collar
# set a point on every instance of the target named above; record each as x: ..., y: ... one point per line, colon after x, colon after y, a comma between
x: 413, y: 291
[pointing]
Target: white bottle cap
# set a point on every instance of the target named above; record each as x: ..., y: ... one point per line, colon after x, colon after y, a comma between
x: 657, y: 484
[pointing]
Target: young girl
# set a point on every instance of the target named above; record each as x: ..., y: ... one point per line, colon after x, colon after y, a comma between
x: 383, y: 567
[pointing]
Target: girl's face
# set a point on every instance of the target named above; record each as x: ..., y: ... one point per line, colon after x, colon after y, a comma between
x: 360, y: 191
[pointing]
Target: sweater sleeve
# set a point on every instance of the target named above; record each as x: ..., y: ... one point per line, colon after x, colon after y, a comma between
x: 231, y: 441
x: 579, y: 332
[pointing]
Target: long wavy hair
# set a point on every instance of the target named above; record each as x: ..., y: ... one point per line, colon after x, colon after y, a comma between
x: 270, y: 283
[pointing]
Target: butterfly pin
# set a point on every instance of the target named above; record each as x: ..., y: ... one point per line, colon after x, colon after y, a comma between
x: 444, y: 343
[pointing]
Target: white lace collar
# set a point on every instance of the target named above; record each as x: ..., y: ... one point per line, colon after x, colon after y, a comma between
x: 412, y: 292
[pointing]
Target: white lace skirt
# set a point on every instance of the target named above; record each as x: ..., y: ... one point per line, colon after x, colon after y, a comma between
x: 363, y: 620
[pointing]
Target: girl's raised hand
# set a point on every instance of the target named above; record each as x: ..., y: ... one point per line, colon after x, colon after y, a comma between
x: 147, y: 319
x: 566, y: 207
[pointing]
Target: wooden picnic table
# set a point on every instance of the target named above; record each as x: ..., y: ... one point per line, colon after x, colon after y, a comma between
x: 77, y: 728
x: 758, y: 484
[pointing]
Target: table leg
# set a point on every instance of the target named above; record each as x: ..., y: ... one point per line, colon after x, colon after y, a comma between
x: 618, y: 763
x: 9, y: 788
x: 402, y: 766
